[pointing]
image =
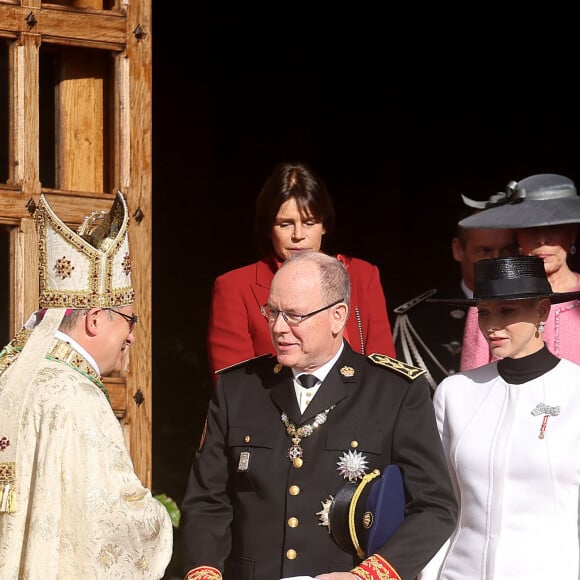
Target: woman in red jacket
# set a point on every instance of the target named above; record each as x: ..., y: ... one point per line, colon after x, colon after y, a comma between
x: 294, y: 212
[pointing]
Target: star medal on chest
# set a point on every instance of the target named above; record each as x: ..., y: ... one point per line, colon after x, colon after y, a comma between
x: 295, y: 452
x: 352, y: 465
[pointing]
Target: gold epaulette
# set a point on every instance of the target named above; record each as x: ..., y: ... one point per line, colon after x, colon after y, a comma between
x: 240, y: 364
x: 408, y: 371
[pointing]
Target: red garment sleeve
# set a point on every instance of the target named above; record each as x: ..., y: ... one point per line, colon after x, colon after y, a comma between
x: 237, y: 331
x: 368, y: 322
x: 380, y: 336
x: 229, y: 339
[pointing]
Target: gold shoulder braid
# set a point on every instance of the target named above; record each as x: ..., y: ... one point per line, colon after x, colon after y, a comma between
x: 64, y: 353
x: 408, y: 371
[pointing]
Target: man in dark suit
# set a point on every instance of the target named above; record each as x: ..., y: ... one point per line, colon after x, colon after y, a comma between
x: 277, y: 448
x: 431, y: 335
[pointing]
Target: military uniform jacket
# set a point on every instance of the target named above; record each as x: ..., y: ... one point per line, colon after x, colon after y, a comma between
x: 250, y: 513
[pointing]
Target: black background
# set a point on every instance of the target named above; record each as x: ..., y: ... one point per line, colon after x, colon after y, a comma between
x: 399, y: 118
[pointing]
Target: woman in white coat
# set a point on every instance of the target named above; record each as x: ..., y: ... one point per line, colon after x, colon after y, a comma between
x: 511, y: 435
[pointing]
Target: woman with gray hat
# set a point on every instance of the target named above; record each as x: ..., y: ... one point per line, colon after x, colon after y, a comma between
x: 544, y: 209
x: 511, y: 435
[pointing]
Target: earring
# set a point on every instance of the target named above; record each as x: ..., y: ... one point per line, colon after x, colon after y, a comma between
x: 540, y: 330
x: 520, y: 251
x: 573, y: 249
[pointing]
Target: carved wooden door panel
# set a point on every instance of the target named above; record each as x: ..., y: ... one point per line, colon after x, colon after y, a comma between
x: 75, y: 124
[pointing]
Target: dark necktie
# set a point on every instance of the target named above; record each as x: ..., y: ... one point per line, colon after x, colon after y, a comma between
x: 307, y: 381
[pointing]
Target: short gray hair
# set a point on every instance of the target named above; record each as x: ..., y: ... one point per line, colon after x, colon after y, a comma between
x: 70, y: 319
x: 334, y: 279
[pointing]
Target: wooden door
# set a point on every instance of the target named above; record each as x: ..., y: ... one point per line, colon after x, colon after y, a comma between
x: 75, y: 124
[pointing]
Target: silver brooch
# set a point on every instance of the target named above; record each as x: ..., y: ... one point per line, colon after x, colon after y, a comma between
x: 548, y: 411
x: 352, y: 465
x: 543, y: 409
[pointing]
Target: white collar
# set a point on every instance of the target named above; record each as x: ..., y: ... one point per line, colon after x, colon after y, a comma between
x: 468, y: 293
x: 322, y: 371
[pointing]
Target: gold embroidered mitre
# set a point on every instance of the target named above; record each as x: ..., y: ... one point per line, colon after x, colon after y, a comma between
x: 89, y: 268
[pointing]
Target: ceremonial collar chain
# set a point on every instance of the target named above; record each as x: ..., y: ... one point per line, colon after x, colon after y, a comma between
x: 295, y: 452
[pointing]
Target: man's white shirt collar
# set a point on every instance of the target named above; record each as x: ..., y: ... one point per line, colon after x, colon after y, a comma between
x: 304, y: 395
x: 468, y: 293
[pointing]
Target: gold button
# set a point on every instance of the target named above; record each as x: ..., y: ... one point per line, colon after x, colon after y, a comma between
x: 354, y: 444
x: 247, y: 439
x: 297, y: 462
x: 293, y: 522
x: 294, y: 490
x: 291, y: 554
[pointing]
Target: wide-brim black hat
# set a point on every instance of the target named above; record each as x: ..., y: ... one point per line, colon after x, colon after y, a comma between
x: 545, y: 199
x: 365, y: 514
x: 510, y: 278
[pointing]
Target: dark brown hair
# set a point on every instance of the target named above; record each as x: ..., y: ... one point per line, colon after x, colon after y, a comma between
x: 291, y: 180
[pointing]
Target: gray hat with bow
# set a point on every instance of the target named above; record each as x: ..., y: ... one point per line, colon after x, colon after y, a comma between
x: 545, y: 199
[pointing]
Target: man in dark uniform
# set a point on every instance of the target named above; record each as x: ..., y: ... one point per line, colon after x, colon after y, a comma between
x: 431, y: 335
x: 277, y: 447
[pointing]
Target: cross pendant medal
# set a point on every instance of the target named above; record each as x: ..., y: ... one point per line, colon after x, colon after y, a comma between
x: 295, y: 452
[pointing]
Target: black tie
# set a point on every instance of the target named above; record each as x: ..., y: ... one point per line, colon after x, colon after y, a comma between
x: 307, y: 381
